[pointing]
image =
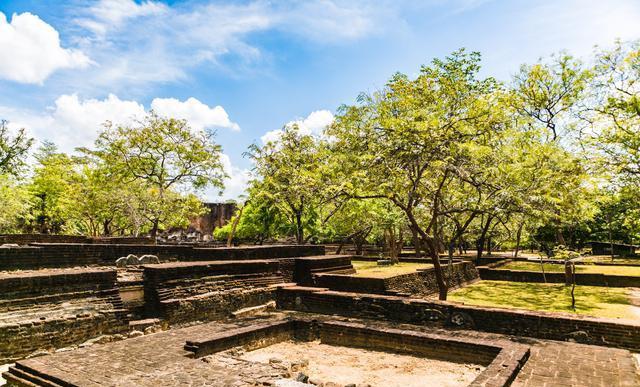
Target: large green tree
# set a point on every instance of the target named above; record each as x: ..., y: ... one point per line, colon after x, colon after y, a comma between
x: 408, y: 141
x: 166, y: 156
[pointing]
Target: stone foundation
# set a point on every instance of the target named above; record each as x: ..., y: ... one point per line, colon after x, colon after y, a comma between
x: 184, y: 292
x: 606, y: 332
x: 503, y: 362
x: 52, y: 309
x: 422, y: 283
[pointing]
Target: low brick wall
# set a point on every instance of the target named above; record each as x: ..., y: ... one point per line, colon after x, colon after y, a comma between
x: 605, y: 332
x: 25, y: 239
x: 200, y: 291
x: 57, y: 308
x: 306, y: 268
x: 503, y: 359
x: 421, y: 283
x: 51, y: 255
x: 589, y: 279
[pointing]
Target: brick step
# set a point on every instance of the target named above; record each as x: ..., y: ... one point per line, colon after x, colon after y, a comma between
x: 22, y: 377
x: 141, y: 325
x: 254, y: 310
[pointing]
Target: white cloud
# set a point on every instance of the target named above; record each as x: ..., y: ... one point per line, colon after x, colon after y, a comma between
x: 199, y: 115
x: 315, y: 123
x: 235, y: 185
x: 31, y: 50
x: 109, y: 14
x: 72, y: 122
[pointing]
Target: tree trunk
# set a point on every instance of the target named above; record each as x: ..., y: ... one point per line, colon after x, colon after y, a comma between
x: 518, y: 237
x: 559, y: 236
x: 481, y: 240
x: 234, y: 226
x: 416, y: 243
x: 437, y: 269
x: 299, y: 229
x: 154, y: 229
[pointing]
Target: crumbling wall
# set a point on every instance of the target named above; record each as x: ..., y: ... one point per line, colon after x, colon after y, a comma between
x: 420, y: 283
x: 553, y: 326
x: 57, y: 308
x: 201, y: 291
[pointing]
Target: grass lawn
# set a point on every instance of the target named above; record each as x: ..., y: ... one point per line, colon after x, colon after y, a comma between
x: 559, y: 268
x: 372, y: 269
x: 590, y: 300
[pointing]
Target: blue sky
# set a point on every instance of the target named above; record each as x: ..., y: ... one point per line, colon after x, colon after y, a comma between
x: 246, y: 68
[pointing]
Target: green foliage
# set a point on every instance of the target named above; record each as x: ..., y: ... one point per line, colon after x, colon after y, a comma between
x: 13, y: 149
x: 160, y: 157
x: 14, y: 205
x: 52, y: 179
x: 291, y: 175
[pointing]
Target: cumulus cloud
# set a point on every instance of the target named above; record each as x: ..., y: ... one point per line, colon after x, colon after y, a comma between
x: 31, y: 50
x: 314, y: 124
x: 73, y: 122
x: 199, y: 115
x: 236, y: 184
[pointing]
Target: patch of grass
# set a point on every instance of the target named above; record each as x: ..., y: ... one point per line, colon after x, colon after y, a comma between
x: 372, y: 269
x: 559, y: 268
x: 590, y: 300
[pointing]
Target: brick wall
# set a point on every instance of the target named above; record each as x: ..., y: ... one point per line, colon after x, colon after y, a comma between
x: 306, y: 268
x: 50, y: 255
x: 421, y: 283
x: 57, y: 308
x: 25, y: 239
x: 606, y: 332
x: 502, y: 358
x: 590, y: 279
x: 192, y: 291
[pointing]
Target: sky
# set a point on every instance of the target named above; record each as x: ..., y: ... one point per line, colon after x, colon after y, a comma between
x: 246, y: 68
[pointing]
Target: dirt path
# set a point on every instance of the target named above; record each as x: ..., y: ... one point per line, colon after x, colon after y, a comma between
x: 634, y: 297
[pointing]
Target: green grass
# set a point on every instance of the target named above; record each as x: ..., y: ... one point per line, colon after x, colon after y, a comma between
x: 559, y: 268
x: 590, y: 300
x: 372, y: 269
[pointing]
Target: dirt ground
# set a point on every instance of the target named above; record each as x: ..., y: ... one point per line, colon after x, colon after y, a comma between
x: 344, y: 365
x: 3, y: 368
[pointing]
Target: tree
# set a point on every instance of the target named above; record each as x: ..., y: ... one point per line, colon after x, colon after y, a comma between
x: 14, y: 206
x: 615, y: 121
x: 164, y: 154
x: 290, y: 175
x: 547, y: 92
x: 407, y: 142
x: 13, y: 149
x: 51, y: 182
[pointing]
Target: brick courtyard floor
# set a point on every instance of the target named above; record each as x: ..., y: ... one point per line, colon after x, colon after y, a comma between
x: 160, y: 360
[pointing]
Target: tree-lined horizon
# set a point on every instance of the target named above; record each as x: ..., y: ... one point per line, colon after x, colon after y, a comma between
x: 444, y: 161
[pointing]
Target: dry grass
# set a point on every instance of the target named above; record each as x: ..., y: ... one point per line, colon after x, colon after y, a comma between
x: 372, y: 269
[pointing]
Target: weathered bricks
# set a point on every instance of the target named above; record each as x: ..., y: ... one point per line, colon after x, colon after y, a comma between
x: 51, y: 309
x: 57, y: 255
x: 606, y: 332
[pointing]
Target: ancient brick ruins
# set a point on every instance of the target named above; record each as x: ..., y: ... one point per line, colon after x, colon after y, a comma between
x: 70, y: 317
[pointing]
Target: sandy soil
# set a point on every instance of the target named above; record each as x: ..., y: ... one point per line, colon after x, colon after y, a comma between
x: 344, y: 365
x: 3, y: 368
